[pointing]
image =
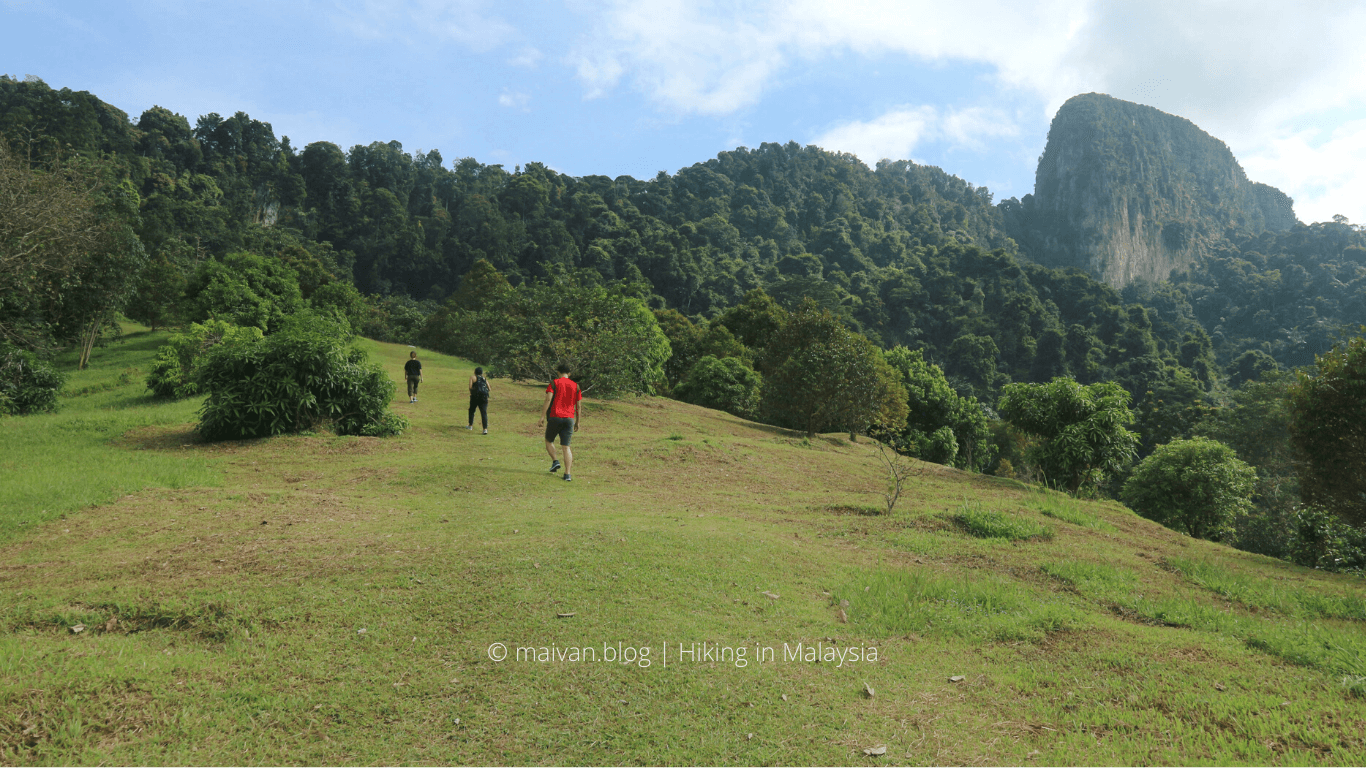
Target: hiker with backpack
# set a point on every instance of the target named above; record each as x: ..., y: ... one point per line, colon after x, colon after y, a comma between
x: 560, y: 414
x: 479, y: 398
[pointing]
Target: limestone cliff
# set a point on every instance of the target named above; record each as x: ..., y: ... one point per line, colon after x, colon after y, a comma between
x: 1128, y: 192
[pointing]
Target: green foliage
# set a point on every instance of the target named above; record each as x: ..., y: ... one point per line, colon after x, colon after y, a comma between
x: 611, y: 341
x: 935, y: 407
x: 244, y: 289
x: 819, y: 375
x: 1322, y: 540
x: 1328, y: 431
x: 28, y: 384
x: 173, y: 373
x: 1081, y: 429
x: 726, y: 384
x: 1255, y: 423
x: 302, y: 377
x: 1197, y: 486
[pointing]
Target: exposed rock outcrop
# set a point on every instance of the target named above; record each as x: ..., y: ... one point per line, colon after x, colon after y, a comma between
x: 1128, y: 192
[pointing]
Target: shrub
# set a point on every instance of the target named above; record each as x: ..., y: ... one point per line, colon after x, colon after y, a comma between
x: 300, y: 378
x: 1198, y: 486
x: 1322, y: 540
x: 28, y: 384
x: 726, y: 384
x: 173, y: 370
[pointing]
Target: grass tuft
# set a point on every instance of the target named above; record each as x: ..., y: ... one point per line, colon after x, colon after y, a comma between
x: 990, y: 524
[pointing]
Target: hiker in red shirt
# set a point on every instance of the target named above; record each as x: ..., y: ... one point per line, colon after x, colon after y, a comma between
x: 560, y: 414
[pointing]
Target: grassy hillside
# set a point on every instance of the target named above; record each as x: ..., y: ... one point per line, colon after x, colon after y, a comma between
x: 320, y: 600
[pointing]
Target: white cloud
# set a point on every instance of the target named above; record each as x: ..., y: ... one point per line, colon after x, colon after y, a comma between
x: 1320, y: 169
x: 896, y: 134
x: 514, y: 100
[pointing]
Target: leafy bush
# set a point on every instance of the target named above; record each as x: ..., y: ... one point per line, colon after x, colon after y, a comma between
x: 726, y: 384
x: 300, y: 378
x: 1198, y: 486
x: 1322, y: 540
x: 173, y: 370
x: 28, y: 384
x: 1083, y: 439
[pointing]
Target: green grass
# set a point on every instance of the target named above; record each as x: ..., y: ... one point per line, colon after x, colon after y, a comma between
x: 897, y: 602
x: 1062, y: 507
x: 238, y: 602
x: 992, y: 524
x: 1262, y: 593
x: 56, y: 463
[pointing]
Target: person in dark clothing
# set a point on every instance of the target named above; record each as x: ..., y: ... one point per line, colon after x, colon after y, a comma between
x: 412, y: 370
x: 479, y: 398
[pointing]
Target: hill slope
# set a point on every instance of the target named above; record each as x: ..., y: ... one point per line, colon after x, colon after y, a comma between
x: 336, y: 600
x: 1127, y: 192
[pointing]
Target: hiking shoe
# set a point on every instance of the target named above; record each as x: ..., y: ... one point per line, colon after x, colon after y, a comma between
x: 470, y: 427
x: 554, y: 465
x: 485, y: 431
x: 567, y: 478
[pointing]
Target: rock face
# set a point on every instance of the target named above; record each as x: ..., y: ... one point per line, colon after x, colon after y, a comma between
x: 1128, y: 192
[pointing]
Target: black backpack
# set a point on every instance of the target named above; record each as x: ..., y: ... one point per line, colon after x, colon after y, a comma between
x: 481, y: 387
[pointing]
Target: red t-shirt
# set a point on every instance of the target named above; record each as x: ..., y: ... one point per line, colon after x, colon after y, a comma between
x: 566, y: 395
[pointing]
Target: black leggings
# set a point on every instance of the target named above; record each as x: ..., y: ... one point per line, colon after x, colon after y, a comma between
x: 483, y: 406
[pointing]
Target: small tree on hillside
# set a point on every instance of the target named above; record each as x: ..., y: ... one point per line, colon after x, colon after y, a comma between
x: 1082, y: 429
x: 726, y: 384
x: 819, y: 375
x: 1328, y: 431
x: 1197, y: 486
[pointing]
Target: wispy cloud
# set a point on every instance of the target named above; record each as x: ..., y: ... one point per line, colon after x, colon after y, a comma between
x: 514, y: 100
x: 1248, y: 71
x: 896, y: 134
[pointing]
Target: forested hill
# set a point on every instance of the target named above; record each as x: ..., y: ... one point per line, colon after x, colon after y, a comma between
x: 1127, y: 192
x: 906, y: 254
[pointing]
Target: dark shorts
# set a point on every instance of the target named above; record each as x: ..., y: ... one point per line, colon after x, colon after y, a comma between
x: 557, y: 426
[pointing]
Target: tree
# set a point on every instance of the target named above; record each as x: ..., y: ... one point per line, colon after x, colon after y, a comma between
x: 67, y: 252
x: 1197, y: 486
x: 244, y: 289
x: 726, y: 384
x: 1328, y: 431
x: 1081, y: 429
x: 820, y: 375
x: 933, y: 406
x: 1256, y: 425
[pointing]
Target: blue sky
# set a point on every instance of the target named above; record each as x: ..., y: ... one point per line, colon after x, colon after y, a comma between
x: 638, y: 87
